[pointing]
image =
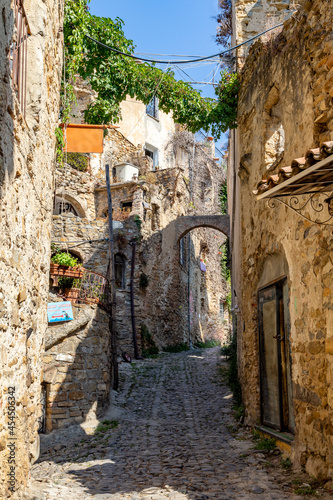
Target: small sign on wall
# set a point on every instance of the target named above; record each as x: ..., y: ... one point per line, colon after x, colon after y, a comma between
x: 59, y: 311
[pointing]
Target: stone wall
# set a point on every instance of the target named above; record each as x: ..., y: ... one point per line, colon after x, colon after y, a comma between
x: 289, y: 82
x: 26, y: 186
x: 77, y: 368
x: 157, y: 197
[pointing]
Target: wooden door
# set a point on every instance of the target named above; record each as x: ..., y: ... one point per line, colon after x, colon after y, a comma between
x: 275, y: 360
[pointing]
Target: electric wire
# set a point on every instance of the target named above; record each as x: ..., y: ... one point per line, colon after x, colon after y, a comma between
x: 156, y: 61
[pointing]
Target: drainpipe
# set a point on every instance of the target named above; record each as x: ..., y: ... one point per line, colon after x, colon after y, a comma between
x: 189, y: 290
x: 135, y: 343
x: 191, y: 168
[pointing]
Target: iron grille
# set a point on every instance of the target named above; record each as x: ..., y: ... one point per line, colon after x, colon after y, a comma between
x: 19, y: 55
x: 152, y: 108
x: 64, y: 207
x: 94, y: 288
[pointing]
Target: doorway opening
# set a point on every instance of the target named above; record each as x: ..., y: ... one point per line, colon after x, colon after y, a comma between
x: 275, y: 359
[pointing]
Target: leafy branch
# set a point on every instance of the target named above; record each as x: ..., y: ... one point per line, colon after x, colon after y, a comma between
x: 113, y: 77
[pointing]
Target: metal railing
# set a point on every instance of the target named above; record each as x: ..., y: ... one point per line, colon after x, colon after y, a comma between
x: 19, y: 54
x: 94, y: 289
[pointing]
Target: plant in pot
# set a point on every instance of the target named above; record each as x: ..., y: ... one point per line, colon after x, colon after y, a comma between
x: 65, y: 264
x: 69, y: 287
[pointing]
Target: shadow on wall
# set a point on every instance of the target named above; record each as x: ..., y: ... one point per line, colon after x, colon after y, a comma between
x: 77, y: 368
x: 165, y: 302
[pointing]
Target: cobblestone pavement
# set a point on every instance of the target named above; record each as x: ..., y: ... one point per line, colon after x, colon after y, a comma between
x: 172, y: 441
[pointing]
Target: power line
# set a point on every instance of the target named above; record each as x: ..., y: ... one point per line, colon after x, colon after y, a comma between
x: 132, y: 56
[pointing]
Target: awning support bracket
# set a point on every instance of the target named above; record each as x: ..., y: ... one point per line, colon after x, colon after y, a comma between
x: 315, y: 202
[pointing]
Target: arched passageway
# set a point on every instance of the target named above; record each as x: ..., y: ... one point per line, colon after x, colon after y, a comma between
x: 185, y: 224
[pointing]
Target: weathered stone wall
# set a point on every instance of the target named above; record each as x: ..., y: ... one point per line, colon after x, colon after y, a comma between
x: 190, y: 188
x: 77, y: 368
x: 253, y: 17
x: 26, y: 178
x: 290, y: 81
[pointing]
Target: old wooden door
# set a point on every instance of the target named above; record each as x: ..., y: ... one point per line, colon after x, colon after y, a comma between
x: 275, y: 360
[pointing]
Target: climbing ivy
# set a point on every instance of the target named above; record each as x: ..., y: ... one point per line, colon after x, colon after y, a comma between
x: 223, y: 199
x: 113, y: 77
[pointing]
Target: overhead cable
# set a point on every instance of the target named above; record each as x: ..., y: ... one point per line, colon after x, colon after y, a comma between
x: 132, y: 56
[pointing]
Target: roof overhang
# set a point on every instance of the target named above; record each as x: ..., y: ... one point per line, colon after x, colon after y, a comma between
x: 317, y: 178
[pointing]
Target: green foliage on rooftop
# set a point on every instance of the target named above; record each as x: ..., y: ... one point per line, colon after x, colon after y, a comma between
x: 113, y: 77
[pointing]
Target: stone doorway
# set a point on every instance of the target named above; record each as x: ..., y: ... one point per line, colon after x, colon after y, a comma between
x: 275, y: 360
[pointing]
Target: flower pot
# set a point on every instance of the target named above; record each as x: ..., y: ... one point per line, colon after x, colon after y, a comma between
x: 91, y: 300
x: 70, y: 272
x: 54, y: 268
x: 73, y: 293
x: 83, y: 138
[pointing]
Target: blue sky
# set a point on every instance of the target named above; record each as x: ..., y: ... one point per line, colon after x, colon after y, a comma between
x: 168, y: 27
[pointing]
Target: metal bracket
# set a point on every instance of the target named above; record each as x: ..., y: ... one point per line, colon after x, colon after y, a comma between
x: 315, y: 203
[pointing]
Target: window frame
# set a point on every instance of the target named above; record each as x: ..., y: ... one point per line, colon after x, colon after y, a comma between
x: 152, y: 108
x: 19, y: 55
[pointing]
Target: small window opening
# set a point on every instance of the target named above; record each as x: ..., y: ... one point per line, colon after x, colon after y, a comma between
x: 120, y: 268
x: 64, y: 207
x: 126, y: 206
x: 18, y: 55
x: 152, y: 108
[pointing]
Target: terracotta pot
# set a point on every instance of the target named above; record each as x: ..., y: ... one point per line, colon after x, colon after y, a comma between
x: 70, y: 272
x: 54, y: 268
x: 91, y: 300
x: 73, y: 293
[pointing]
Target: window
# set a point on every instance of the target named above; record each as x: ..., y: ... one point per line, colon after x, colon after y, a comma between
x: 64, y: 207
x: 120, y: 268
x: 149, y: 153
x: 18, y: 54
x: 222, y: 308
x: 126, y: 206
x: 152, y: 152
x: 181, y: 251
x: 152, y: 108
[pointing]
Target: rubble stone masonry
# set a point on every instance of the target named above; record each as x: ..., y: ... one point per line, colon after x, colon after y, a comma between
x: 26, y: 185
x: 286, y: 102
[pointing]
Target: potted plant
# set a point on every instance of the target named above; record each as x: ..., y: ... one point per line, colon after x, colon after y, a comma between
x: 64, y: 264
x: 70, y: 287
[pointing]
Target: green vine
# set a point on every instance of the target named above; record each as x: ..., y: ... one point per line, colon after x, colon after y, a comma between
x: 60, y: 144
x: 113, y: 77
x: 223, y: 196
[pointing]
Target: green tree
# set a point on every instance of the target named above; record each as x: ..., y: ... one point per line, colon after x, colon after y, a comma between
x: 113, y: 77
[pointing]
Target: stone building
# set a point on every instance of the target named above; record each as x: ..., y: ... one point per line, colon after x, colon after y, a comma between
x: 30, y: 68
x: 171, y: 292
x: 280, y: 157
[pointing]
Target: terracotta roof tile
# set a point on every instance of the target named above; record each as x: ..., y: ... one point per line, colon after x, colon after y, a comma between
x: 297, y: 165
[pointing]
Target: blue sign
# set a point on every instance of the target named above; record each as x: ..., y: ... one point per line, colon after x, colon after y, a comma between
x: 59, y: 311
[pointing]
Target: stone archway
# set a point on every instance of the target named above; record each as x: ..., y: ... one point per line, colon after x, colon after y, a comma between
x: 185, y: 224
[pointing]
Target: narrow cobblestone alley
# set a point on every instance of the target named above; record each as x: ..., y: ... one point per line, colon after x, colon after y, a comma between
x: 172, y: 441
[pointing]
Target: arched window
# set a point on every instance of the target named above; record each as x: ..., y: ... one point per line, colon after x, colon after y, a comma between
x: 64, y: 207
x: 120, y: 270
